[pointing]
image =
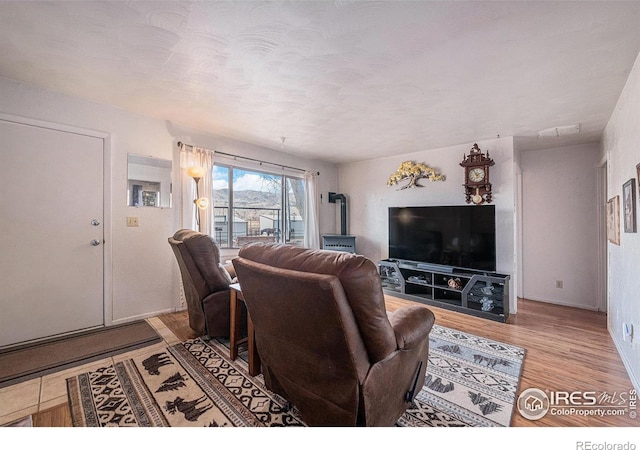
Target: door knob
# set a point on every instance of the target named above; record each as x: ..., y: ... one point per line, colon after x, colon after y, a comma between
x: 95, y: 242
x: 95, y: 222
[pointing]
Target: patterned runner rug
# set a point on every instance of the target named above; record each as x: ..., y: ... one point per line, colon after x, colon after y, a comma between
x: 471, y: 381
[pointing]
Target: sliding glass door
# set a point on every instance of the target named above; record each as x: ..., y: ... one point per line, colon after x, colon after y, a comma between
x: 256, y: 206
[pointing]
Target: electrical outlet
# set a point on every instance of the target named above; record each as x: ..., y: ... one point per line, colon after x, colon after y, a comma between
x: 559, y: 284
x: 132, y: 221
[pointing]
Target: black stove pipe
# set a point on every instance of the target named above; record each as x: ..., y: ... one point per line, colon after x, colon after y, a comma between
x: 343, y: 210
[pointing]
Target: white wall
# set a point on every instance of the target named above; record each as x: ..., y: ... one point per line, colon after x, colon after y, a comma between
x: 560, y: 227
x: 620, y: 142
x: 144, y: 274
x: 368, y: 197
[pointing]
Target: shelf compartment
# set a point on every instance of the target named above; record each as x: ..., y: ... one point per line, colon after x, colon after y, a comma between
x: 496, y: 309
x: 484, y: 289
x: 390, y: 277
x: 418, y: 289
x: 447, y: 295
x: 453, y: 282
x: 417, y: 276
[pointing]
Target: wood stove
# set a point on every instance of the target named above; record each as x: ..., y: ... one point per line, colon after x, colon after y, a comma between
x: 339, y: 242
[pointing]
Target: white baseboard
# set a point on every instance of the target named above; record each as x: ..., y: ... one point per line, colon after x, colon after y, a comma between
x: 560, y: 303
x: 142, y: 316
x: 625, y: 361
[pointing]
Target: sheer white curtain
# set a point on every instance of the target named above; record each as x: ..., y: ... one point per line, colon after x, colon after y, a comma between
x: 196, y: 157
x: 311, y: 218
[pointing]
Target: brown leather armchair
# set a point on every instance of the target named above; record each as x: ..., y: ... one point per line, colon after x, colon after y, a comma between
x: 205, y: 281
x: 324, y: 337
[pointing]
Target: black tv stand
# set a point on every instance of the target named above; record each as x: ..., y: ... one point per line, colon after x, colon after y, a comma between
x: 479, y: 293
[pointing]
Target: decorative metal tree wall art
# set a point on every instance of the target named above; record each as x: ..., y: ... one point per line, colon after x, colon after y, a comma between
x: 411, y: 172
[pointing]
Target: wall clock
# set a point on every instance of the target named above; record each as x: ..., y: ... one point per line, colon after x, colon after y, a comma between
x: 477, y: 188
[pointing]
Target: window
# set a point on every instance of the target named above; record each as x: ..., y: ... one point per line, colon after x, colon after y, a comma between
x: 251, y: 205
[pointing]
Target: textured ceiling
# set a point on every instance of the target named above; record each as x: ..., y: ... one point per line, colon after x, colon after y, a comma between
x: 342, y: 81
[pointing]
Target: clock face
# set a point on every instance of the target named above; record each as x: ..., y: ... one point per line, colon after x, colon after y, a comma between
x: 476, y: 175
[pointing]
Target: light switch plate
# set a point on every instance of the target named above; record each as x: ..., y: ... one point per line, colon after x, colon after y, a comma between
x: 132, y: 221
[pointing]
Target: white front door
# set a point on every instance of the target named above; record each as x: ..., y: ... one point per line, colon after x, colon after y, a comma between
x: 51, y: 232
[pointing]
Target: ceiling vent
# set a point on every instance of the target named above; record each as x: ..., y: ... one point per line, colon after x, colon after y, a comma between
x: 560, y: 131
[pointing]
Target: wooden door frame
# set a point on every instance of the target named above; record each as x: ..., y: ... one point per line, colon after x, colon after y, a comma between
x: 107, y: 277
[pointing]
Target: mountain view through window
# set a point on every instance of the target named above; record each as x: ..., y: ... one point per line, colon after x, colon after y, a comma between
x: 254, y: 206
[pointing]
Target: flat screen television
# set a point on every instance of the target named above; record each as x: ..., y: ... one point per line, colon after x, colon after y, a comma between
x: 459, y: 236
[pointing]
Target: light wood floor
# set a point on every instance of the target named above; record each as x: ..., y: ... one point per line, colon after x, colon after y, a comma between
x: 568, y: 349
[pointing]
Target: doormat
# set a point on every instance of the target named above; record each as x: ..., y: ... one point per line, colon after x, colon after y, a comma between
x: 34, y: 360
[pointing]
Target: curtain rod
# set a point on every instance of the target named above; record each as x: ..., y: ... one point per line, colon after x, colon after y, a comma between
x: 180, y: 144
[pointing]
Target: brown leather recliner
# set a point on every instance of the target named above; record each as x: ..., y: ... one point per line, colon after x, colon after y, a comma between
x: 324, y: 337
x: 205, y: 281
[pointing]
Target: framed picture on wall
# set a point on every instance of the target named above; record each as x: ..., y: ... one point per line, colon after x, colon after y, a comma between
x: 629, y: 205
x: 613, y: 220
